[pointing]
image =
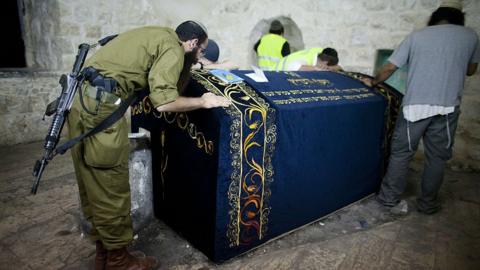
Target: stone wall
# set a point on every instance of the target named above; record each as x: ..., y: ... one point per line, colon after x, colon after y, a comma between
x: 23, y: 99
x: 356, y: 28
x: 41, y: 34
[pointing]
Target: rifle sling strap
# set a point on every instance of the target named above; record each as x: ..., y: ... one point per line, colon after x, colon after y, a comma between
x: 110, y: 120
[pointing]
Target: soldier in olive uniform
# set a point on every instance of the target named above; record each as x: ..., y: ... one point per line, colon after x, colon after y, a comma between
x: 154, y: 57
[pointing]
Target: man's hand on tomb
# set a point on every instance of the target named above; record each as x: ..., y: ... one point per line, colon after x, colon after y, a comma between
x: 367, y: 81
x: 211, y: 100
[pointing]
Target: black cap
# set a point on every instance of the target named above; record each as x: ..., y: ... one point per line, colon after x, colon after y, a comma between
x: 212, y: 51
x: 330, y: 55
x: 276, y: 25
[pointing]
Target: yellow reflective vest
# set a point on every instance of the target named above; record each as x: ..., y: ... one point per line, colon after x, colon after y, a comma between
x: 308, y: 56
x: 269, y: 51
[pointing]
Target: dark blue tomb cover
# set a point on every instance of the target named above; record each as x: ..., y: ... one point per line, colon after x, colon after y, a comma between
x: 285, y: 154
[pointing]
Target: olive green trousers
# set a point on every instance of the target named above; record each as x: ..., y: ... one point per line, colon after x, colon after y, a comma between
x: 101, y: 168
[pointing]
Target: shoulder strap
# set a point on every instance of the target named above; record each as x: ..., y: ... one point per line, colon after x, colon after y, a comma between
x: 105, y: 40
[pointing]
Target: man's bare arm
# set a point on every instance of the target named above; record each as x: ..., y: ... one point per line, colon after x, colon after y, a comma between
x: 383, y: 74
x: 227, y: 64
x: 308, y: 68
x: 184, y: 104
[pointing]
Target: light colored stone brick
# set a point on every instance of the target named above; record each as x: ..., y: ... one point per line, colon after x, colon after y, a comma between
x: 403, y: 5
x: 375, y: 5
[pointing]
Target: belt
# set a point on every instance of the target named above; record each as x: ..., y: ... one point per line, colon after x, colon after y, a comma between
x: 98, y: 80
x: 105, y: 97
x: 101, y: 88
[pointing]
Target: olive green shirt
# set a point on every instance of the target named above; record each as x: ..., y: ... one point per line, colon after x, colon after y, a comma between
x: 143, y: 57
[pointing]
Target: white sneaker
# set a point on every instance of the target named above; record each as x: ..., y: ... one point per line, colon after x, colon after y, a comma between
x: 400, y: 209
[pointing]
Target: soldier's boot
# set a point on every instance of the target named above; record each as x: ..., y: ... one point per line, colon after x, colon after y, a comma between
x: 121, y: 259
x: 101, y: 255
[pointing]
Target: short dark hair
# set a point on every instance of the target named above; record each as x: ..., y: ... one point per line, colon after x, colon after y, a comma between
x: 191, y: 30
x: 276, y: 27
x: 330, y: 55
x: 187, y: 31
x: 451, y: 15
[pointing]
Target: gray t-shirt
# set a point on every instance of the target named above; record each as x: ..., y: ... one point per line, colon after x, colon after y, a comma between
x: 437, y: 58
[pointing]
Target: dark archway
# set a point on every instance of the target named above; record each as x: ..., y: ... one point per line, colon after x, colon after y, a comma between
x: 12, y: 50
x: 292, y: 33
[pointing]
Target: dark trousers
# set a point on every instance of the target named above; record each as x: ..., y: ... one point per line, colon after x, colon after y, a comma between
x: 437, y: 133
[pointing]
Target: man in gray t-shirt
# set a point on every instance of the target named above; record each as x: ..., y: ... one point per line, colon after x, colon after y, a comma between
x: 438, y: 58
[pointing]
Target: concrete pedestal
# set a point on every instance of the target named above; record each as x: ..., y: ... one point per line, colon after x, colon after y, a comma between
x: 140, y: 168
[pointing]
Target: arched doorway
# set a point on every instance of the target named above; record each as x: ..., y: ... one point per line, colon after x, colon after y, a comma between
x: 292, y: 33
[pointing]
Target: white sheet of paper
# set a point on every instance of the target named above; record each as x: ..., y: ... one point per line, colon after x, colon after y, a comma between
x: 258, y: 75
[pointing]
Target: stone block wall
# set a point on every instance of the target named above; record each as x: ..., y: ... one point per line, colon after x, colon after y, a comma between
x: 23, y: 98
x: 356, y: 28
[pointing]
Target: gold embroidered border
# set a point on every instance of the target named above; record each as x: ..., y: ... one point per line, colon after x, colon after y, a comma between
x: 247, y: 173
x: 181, y: 119
x: 391, y: 112
x: 183, y: 122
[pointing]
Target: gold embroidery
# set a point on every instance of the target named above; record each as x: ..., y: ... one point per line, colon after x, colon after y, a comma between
x: 273, y: 93
x: 249, y: 192
x: 292, y: 100
x: 306, y: 81
x: 142, y: 107
x: 163, y: 163
x: 392, y: 110
x: 183, y: 122
x: 292, y: 74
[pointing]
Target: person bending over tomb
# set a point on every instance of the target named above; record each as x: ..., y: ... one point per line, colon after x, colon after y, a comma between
x: 155, y: 57
x: 209, y: 60
x: 313, y: 59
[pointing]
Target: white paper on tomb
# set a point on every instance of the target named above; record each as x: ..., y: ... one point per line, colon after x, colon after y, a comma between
x: 258, y: 75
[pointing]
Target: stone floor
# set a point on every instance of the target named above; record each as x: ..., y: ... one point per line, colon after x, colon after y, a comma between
x: 42, y: 231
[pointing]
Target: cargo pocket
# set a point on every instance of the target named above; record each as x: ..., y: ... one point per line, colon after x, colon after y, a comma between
x: 108, y: 148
